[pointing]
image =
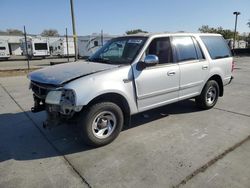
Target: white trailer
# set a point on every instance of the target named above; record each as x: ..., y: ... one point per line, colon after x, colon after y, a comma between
x: 59, y: 47
x: 37, y: 47
x: 88, y: 45
x: 4, y: 50
x: 239, y: 44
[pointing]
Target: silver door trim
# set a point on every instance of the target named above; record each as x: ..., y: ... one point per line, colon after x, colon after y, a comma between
x: 192, y: 85
x: 157, y: 93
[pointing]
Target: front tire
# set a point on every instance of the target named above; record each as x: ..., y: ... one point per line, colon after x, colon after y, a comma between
x: 209, y: 95
x: 101, y: 123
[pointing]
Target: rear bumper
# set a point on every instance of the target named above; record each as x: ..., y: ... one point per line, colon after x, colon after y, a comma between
x: 231, y: 79
x: 228, y: 80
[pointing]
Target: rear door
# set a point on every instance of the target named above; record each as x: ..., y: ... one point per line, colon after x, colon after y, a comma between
x: 194, y: 68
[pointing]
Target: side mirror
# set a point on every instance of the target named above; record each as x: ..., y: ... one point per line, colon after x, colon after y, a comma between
x: 151, y: 60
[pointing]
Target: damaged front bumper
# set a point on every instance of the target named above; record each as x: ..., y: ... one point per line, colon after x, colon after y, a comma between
x: 59, y: 105
x: 56, y: 117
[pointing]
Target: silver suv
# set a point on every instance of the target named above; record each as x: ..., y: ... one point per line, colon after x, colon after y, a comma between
x: 131, y: 74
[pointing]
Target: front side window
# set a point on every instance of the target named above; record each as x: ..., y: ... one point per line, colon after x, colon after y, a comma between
x: 161, y: 47
x: 121, y: 50
x: 185, y: 49
x: 2, y: 48
x: 216, y: 46
x: 41, y: 46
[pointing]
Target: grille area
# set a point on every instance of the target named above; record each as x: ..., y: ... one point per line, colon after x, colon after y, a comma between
x: 41, y: 90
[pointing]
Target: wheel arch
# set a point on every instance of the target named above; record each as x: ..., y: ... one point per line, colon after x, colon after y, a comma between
x: 218, y: 79
x: 117, y: 99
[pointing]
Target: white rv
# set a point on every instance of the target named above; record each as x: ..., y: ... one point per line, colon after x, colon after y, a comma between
x: 88, y: 45
x: 4, y: 50
x: 37, y: 47
x: 59, y: 47
x: 239, y: 44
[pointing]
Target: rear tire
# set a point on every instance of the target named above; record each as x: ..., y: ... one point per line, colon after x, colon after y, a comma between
x: 101, y: 123
x: 209, y: 95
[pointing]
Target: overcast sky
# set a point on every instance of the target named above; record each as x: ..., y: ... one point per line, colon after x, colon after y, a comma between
x: 118, y: 16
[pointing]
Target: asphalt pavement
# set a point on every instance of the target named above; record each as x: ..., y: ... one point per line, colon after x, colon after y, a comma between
x: 174, y: 146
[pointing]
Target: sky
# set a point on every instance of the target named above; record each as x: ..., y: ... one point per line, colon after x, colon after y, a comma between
x: 118, y: 16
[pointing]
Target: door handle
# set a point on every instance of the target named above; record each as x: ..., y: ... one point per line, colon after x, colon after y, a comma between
x: 204, y: 67
x: 171, y: 73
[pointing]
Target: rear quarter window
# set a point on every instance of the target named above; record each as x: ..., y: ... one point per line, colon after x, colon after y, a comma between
x: 216, y: 46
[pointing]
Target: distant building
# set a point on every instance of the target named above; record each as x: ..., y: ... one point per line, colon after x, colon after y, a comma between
x: 13, y: 43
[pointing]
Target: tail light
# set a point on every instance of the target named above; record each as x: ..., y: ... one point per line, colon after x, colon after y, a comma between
x: 233, y: 64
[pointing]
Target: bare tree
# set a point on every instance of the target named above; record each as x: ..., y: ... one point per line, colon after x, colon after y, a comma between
x: 14, y: 32
x: 134, y: 31
x: 50, y: 33
x: 2, y: 32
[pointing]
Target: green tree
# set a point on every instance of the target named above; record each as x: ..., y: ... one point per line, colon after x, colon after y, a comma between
x: 50, y: 33
x: 226, y: 33
x: 134, y: 31
x: 207, y: 29
x: 248, y: 23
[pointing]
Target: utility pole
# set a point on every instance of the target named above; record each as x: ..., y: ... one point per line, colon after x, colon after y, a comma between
x: 74, y: 29
x: 67, y: 42
x: 235, y: 28
x: 26, y: 47
x: 102, y: 37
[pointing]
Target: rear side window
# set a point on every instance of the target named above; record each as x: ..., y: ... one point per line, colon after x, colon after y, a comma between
x: 185, y: 49
x: 216, y: 46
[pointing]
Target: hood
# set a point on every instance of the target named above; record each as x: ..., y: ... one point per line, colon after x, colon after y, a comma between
x: 59, y: 74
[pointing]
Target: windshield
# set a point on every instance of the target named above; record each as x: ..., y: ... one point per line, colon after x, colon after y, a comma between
x: 120, y: 50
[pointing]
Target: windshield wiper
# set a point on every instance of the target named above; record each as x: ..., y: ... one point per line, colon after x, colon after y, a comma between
x: 100, y: 60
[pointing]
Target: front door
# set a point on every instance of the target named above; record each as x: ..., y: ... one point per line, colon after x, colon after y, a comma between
x: 157, y: 85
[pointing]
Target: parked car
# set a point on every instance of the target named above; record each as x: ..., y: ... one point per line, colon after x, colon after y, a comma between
x: 131, y: 74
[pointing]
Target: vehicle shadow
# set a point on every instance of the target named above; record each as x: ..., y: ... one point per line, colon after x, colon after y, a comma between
x: 23, y: 138
x: 182, y: 107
